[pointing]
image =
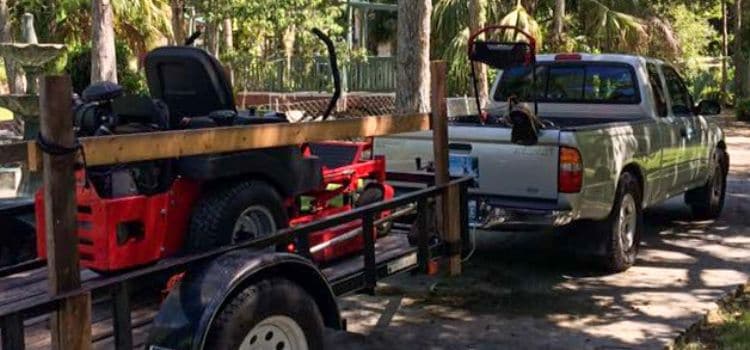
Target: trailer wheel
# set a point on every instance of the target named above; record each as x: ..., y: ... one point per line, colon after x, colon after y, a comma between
x: 271, y: 314
x: 624, y: 225
x: 238, y: 212
x: 371, y: 195
x: 706, y: 202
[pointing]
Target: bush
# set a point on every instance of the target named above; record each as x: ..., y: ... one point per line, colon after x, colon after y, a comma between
x: 79, y: 68
x: 743, y: 110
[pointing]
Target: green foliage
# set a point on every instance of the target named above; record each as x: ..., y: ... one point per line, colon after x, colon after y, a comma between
x: 79, y: 68
x: 735, y: 334
x: 742, y: 110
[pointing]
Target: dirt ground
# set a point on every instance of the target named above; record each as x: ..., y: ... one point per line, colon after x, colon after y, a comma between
x: 521, y: 291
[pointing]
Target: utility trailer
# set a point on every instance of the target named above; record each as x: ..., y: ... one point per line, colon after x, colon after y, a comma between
x: 200, y: 311
x: 221, y: 298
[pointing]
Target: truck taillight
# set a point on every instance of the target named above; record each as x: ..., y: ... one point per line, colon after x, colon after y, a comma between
x: 570, y: 176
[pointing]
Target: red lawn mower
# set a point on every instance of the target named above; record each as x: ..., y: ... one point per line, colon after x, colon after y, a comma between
x: 135, y: 214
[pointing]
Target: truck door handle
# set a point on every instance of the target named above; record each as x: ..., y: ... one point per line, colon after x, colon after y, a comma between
x: 465, y: 147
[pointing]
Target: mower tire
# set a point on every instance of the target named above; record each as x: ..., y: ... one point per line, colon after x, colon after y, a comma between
x: 233, y: 213
x: 371, y: 195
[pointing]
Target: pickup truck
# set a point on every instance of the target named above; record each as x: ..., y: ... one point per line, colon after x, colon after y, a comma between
x: 621, y: 134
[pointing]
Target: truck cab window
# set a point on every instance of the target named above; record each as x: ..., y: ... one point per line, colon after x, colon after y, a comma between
x: 658, y: 90
x: 682, y: 104
x: 516, y: 81
x: 565, y: 83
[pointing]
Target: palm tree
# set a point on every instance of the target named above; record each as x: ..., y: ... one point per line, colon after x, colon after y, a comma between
x: 558, y: 25
x: 103, y: 62
x: 477, y: 19
x: 613, y: 30
x: 413, y: 56
x: 450, y: 23
x: 741, y: 80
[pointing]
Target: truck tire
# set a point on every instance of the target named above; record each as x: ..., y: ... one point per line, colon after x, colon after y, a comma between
x: 371, y: 195
x: 706, y: 202
x: 624, y: 225
x: 270, y: 314
x: 237, y: 212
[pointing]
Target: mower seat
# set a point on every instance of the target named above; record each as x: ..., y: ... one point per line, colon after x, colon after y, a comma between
x: 195, y: 88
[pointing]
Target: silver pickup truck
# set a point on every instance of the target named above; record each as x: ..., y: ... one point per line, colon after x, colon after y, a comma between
x: 621, y: 134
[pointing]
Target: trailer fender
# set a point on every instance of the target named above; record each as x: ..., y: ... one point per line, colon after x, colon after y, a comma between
x: 187, y: 313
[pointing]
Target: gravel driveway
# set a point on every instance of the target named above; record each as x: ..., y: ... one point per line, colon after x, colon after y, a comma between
x: 522, y: 291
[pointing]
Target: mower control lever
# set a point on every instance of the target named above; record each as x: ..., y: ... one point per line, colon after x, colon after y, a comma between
x: 334, y: 71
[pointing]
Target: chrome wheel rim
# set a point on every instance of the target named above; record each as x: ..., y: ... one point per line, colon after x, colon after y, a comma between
x: 254, y: 222
x: 627, y: 221
x: 275, y: 333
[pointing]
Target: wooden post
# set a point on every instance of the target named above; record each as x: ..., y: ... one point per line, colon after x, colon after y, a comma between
x: 448, y: 218
x: 71, y: 324
x: 439, y: 121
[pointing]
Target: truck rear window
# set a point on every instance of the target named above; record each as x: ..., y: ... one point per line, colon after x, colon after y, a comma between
x: 572, y: 83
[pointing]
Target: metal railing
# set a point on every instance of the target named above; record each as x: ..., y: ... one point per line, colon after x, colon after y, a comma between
x: 371, y: 74
x: 12, y: 316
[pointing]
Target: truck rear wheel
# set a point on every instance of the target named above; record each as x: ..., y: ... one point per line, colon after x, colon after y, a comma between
x: 707, y: 201
x: 271, y: 314
x: 238, y: 212
x: 624, y: 225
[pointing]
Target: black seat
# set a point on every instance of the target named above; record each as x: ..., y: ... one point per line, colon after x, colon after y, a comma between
x: 197, y: 92
x: 189, y: 80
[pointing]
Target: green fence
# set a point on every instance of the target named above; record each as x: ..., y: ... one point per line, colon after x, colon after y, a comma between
x: 373, y: 74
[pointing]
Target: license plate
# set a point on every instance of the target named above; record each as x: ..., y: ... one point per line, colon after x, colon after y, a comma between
x: 402, y: 263
x: 460, y: 165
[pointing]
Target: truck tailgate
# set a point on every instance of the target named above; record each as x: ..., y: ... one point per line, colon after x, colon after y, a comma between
x: 502, y: 168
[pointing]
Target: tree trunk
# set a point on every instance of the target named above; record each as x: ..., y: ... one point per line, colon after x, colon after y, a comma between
x: 178, y: 21
x: 103, y: 60
x: 477, y: 20
x: 724, y: 52
x: 413, y: 56
x: 212, y: 40
x: 740, y: 60
x: 16, y: 80
x: 558, y: 25
x: 530, y: 6
x: 228, y: 46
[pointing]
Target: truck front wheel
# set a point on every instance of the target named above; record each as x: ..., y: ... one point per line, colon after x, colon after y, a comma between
x: 271, y: 314
x: 707, y: 201
x: 624, y: 225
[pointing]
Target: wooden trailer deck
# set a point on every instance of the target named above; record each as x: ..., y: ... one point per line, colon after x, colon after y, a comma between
x: 33, y: 284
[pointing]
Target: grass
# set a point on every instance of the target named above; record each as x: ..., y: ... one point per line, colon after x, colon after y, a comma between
x: 5, y: 115
x: 727, y: 328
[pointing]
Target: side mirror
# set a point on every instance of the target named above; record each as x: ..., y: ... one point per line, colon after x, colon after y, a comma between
x: 708, y: 107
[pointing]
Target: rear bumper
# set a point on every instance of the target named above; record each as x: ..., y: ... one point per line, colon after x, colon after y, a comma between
x: 514, y: 214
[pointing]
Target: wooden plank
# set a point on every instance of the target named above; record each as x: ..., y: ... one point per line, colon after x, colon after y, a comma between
x: 71, y: 323
x: 121, y: 321
x: 447, y: 213
x: 439, y: 121
x: 173, y: 144
x: 12, y: 332
x: 453, y: 229
x: 13, y: 153
x: 180, y: 143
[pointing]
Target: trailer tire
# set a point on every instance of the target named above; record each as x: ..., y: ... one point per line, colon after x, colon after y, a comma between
x: 707, y: 202
x: 371, y: 195
x: 624, y: 225
x: 273, y: 313
x: 216, y: 216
